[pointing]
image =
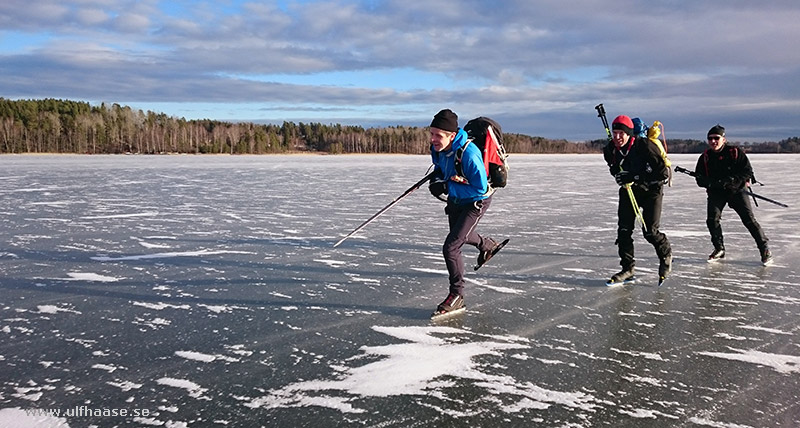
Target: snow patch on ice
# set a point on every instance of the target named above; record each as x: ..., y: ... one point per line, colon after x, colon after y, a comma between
x: 160, y: 306
x: 438, y: 355
x: 331, y: 263
x: 781, y: 363
x: 276, y: 294
x: 19, y: 418
x: 220, y: 309
x: 149, y: 245
x: 646, y: 355
x: 768, y: 330
x: 714, y: 424
x: 53, y: 309
x: 195, y: 390
x: 86, y: 276
x: 107, y: 367
x: 125, y: 385
x: 169, y: 255
x: 204, y: 358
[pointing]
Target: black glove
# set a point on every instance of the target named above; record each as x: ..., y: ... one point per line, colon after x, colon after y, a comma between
x: 438, y: 188
x: 625, y: 177
x: 702, y: 180
x: 732, y: 184
x: 725, y: 183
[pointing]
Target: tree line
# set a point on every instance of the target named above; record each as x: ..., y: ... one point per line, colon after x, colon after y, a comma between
x: 64, y: 126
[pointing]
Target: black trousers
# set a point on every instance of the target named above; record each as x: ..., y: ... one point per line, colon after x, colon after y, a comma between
x: 740, y: 203
x: 463, y: 221
x: 649, y: 201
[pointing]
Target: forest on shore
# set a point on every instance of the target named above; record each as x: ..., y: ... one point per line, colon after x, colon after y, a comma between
x: 64, y: 126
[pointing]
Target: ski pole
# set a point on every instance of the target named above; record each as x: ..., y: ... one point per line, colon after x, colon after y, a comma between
x: 601, y: 113
x: 750, y: 192
x: 685, y: 171
x: 636, y: 211
x: 755, y: 201
x: 745, y: 191
x: 386, y: 208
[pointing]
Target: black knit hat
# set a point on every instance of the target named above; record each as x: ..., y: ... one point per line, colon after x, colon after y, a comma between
x: 445, y: 120
x: 717, y: 130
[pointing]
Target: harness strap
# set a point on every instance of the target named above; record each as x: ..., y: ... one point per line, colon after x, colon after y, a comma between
x: 459, y: 155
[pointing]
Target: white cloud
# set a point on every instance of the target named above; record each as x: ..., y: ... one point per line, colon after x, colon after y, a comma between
x: 682, y: 61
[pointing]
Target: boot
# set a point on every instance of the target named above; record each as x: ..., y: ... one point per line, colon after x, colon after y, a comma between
x: 484, y: 256
x: 664, y: 267
x: 766, y: 256
x: 453, y: 302
x: 718, y: 253
x: 621, y: 276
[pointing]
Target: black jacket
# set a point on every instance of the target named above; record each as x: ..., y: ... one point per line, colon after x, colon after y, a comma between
x: 643, y: 160
x: 724, y: 171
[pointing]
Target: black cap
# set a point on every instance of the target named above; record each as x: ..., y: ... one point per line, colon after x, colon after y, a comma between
x: 445, y: 120
x: 717, y: 130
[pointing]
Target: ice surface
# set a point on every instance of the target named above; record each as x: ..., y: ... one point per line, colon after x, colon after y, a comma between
x: 205, y: 289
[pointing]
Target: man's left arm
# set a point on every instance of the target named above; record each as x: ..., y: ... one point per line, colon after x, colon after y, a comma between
x: 743, y: 171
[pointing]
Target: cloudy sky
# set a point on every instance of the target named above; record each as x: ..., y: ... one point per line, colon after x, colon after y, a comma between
x: 538, y: 66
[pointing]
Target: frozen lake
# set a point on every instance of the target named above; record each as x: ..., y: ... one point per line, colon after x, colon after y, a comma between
x: 205, y: 291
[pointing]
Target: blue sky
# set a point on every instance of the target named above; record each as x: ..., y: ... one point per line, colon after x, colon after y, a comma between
x: 538, y: 67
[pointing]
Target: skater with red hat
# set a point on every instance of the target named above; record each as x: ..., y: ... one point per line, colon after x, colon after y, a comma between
x: 641, y: 172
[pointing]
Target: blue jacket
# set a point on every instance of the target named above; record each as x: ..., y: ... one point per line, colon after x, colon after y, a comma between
x: 477, y: 185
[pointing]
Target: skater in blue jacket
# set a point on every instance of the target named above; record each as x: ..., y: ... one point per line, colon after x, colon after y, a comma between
x: 468, y: 198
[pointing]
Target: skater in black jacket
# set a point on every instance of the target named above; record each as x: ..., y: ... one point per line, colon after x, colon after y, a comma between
x: 636, y: 162
x: 724, y: 170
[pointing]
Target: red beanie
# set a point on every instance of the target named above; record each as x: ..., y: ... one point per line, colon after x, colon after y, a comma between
x: 623, y: 123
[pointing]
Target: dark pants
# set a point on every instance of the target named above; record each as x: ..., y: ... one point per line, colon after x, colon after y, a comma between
x: 649, y: 201
x: 740, y: 203
x: 463, y: 221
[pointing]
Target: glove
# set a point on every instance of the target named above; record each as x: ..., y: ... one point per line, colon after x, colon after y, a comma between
x: 726, y: 183
x: 438, y: 188
x: 625, y: 177
x: 701, y: 180
x: 732, y: 184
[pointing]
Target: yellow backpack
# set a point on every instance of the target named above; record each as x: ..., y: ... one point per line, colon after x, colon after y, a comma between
x: 653, y: 134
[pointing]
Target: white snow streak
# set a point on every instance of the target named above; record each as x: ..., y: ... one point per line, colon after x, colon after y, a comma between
x: 169, y: 255
x: 785, y: 364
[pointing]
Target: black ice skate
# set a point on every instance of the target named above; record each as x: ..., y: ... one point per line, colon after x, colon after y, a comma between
x: 625, y: 276
x: 664, y: 268
x: 485, y: 256
x: 766, y: 257
x: 453, y: 304
x: 716, y: 255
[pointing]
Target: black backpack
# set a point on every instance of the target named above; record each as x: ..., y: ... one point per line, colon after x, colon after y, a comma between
x: 486, y: 133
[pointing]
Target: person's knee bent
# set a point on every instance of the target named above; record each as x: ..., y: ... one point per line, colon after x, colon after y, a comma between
x: 452, y: 245
x: 651, y: 235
